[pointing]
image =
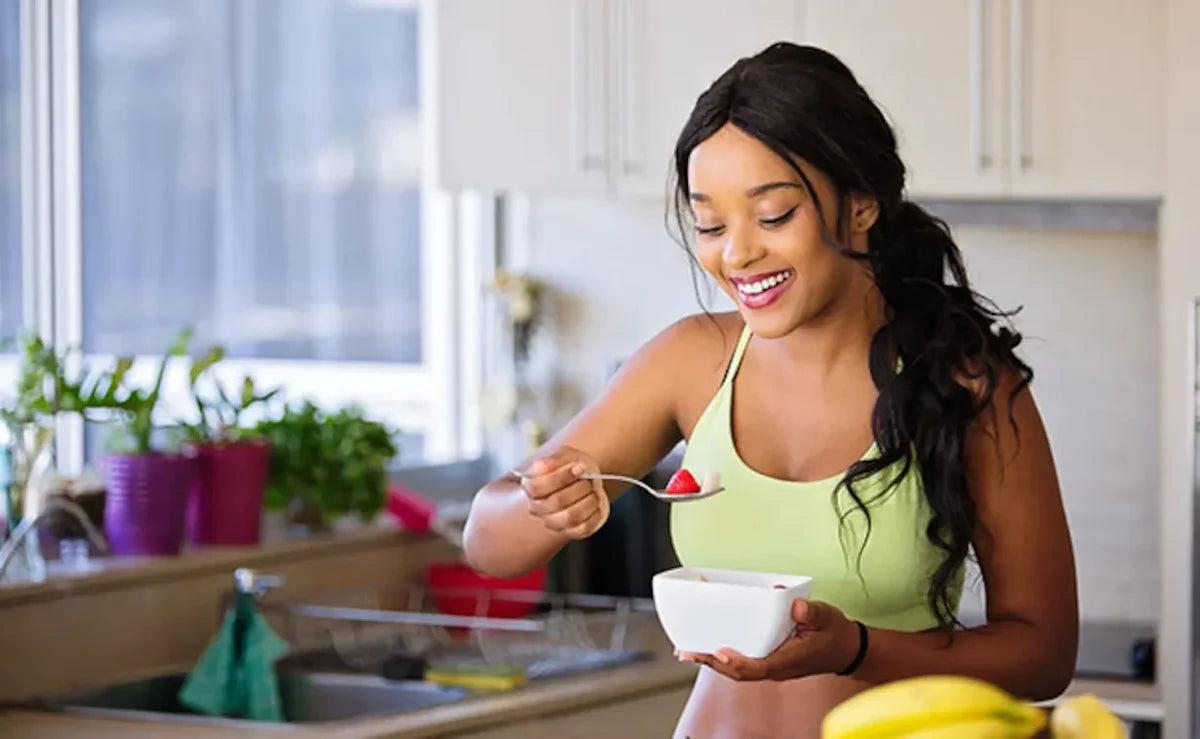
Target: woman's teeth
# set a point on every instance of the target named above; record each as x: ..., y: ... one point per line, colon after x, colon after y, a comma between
x: 754, y: 288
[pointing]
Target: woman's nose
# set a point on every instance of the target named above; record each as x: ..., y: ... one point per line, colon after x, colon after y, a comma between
x: 740, y: 248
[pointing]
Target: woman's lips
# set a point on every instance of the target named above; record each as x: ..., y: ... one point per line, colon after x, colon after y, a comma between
x: 763, y: 290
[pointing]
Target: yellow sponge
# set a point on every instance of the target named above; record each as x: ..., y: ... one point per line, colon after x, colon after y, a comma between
x: 482, y: 677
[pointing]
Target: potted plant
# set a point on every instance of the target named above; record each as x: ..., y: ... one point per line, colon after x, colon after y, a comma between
x: 29, y: 420
x: 45, y: 389
x: 147, y: 486
x: 225, y: 501
x: 327, y: 465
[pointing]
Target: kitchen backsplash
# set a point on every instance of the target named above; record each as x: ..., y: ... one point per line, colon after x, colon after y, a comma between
x: 1090, y: 316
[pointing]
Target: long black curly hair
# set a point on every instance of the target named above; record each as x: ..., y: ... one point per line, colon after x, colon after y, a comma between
x: 953, y: 344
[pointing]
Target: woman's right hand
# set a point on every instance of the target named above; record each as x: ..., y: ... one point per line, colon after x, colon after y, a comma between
x: 557, y: 497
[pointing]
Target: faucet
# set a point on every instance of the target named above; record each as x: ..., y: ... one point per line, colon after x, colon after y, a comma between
x: 13, y: 544
x: 250, y: 582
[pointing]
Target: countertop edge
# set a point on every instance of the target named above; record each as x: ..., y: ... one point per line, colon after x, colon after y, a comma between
x: 125, y: 572
x: 552, y: 697
x: 555, y: 697
x: 573, y: 693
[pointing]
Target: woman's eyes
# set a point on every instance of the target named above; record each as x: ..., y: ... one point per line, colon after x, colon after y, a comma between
x: 780, y: 219
x: 774, y: 222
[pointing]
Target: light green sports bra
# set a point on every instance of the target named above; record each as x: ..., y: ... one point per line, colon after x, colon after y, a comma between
x: 765, y: 524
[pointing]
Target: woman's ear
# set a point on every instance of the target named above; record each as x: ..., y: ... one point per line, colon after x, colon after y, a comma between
x: 864, y: 211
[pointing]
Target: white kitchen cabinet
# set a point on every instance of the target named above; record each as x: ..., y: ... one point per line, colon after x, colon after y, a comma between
x: 930, y: 66
x: 666, y: 53
x: 1089, y: 111
x: 1011, y: 98
x: 521, y: 95
x: 581, y: 96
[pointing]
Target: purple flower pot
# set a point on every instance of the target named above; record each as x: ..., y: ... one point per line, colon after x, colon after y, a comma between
x: 226, y: 497
x: 146, y: 502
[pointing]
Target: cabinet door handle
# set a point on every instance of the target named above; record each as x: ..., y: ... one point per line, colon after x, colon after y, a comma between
x: 979, y: 158
x: 581, y: 86
x: 1018, y: 160
x: 630, y: 164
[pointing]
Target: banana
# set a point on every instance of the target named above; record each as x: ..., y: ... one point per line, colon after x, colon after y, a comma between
x: 952, y: 706
x: 981, y: 729
x: 1085, y: 717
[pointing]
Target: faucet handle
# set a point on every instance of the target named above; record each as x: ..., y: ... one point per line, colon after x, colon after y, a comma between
x: 248, y: 581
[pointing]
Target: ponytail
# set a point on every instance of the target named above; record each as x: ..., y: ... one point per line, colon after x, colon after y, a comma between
x: 953, y: 345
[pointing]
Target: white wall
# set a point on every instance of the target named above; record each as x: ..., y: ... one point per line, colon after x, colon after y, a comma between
x: 1089, y: 319
x: 1180, y: 269
x: 1091, y: 302
x: 617, y: 277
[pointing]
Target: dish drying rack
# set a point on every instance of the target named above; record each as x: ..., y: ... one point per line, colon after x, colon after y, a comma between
x: 564, y: 632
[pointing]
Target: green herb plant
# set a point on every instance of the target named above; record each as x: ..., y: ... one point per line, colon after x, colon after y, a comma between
x: 337, y: 462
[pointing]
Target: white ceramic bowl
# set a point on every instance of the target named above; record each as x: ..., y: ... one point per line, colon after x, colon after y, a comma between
x: 703, y: 610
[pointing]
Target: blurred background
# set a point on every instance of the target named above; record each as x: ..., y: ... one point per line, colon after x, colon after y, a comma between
x: 450, y: 214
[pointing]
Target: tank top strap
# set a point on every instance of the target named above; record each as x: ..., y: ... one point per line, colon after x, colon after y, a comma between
x: 736, y: 360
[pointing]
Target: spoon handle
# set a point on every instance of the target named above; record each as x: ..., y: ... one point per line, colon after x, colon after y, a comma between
x: 661, y: 495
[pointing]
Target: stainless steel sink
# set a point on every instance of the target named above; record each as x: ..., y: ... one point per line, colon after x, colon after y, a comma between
x: 307, y: 697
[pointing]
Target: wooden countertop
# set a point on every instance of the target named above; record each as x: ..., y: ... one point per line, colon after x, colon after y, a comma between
x: 109, y: 573
x: 536, y: 699
x: 663, y: 673
x: 605, y: 686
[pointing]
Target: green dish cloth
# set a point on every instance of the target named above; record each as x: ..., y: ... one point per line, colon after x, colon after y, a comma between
x: 235, y: 676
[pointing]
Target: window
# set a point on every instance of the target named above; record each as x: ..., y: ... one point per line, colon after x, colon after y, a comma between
x: 10, y: 169
x: 253, y: 169
x: 257, y: 170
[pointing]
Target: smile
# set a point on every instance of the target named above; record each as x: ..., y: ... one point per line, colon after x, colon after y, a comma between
x: 764, y: 289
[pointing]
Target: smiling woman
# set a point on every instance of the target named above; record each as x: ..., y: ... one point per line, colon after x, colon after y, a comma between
x: 857, y: 329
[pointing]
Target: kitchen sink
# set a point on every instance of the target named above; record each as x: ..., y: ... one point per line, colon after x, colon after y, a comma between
x: 307, y: 697
x: 326, y: 685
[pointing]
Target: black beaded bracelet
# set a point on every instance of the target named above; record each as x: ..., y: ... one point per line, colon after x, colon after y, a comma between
x: 862, y: 651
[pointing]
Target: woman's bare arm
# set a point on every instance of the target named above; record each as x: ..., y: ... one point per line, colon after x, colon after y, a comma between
x: 625, y: 431
x: 1029, y: 643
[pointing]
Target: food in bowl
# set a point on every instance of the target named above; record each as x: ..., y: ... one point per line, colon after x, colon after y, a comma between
x: 704, y: 609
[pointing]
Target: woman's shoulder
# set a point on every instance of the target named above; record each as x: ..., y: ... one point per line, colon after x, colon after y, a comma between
x: 694, y: 351
x: 700, y: 339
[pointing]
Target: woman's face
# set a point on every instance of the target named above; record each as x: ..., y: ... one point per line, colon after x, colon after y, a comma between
x: 759, y: 235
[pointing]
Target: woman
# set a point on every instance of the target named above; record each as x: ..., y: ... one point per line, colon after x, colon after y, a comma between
x: 856, y: 329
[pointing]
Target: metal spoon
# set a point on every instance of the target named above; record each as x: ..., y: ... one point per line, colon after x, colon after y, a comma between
x: 660, y: 494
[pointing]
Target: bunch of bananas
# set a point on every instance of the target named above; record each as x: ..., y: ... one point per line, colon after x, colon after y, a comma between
x: 947, y: 707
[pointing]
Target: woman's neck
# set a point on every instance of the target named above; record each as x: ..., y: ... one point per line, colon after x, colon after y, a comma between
x: 837, y: 338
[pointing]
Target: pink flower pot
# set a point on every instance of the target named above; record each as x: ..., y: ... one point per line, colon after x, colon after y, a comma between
x: 226, y: 497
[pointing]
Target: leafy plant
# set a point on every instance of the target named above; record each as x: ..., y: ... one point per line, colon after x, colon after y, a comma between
x: 136, y: 406
x: 50, y: 381
x: 336, y: 461
x: 220, y: 418
x: 46, y: 386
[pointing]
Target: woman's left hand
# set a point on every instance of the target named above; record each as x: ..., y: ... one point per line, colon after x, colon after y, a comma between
x: 824, y: 641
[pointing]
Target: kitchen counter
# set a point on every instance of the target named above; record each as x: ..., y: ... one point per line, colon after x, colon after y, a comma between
x: 138, y: 617
x: 635, y: 695
x: 112, y: 572
x: 662, y: 674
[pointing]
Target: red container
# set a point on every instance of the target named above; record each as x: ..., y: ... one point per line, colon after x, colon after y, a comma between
x: 226, y: 497
x: 457, y: 591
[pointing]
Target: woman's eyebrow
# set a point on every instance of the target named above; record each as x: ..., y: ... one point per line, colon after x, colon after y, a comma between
x: 754, y: 192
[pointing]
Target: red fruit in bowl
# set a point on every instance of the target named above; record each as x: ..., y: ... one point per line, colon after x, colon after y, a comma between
x: 777, y: 586
x: 682, y: 482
